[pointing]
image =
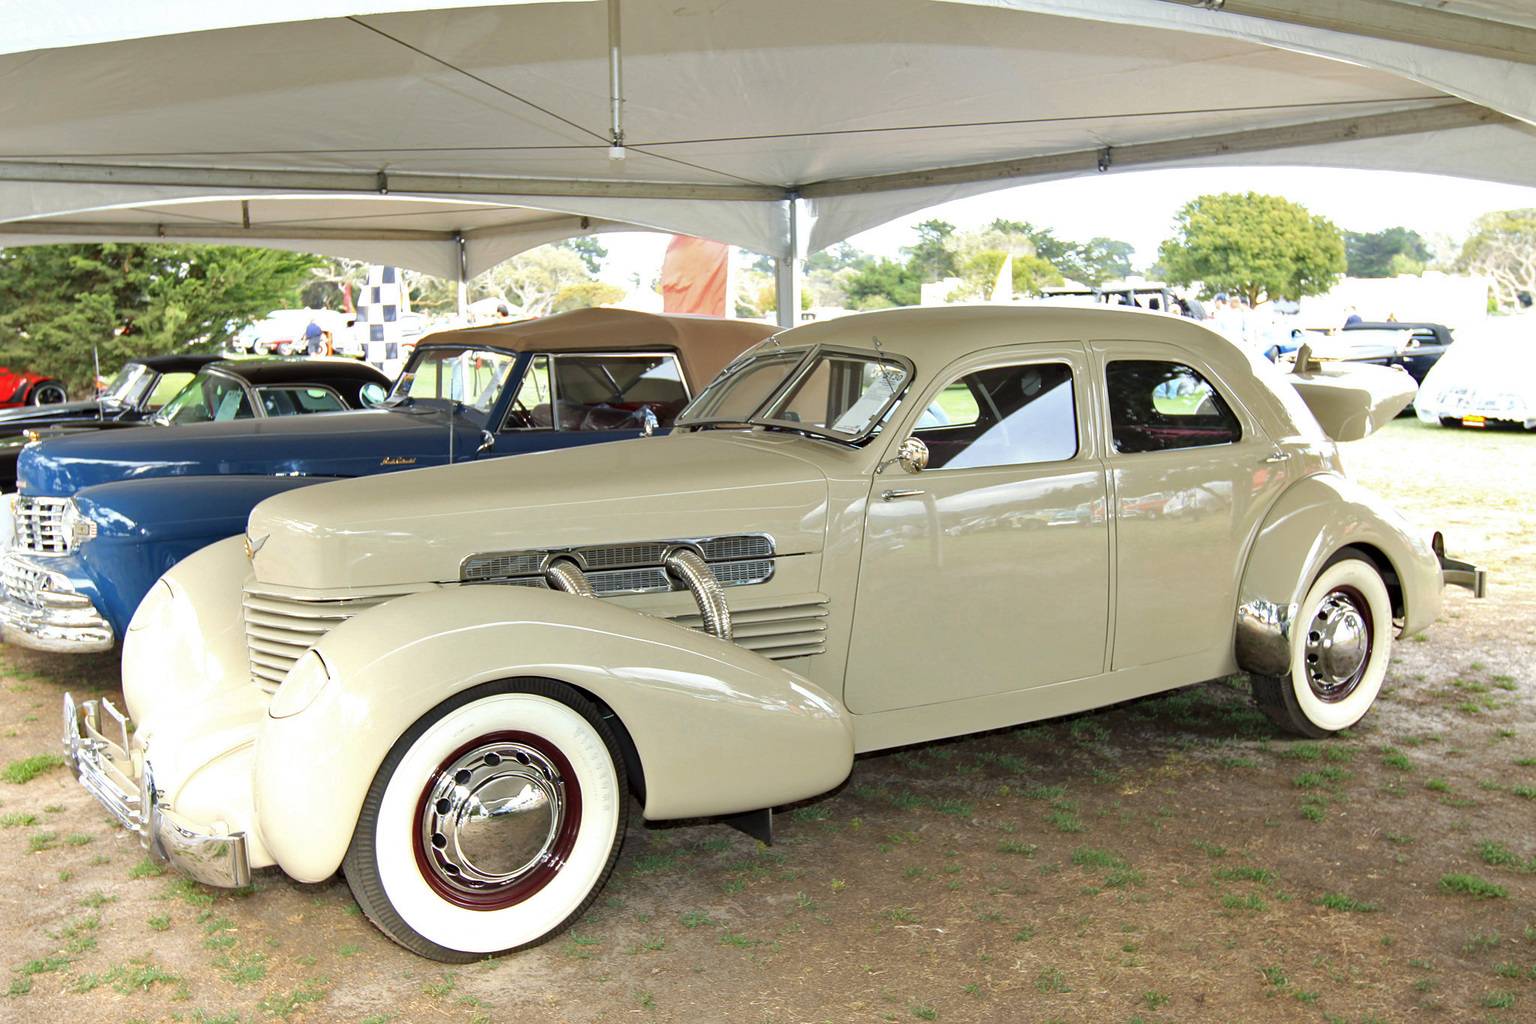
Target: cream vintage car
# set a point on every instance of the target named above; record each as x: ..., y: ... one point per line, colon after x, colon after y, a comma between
x: 880, y: 530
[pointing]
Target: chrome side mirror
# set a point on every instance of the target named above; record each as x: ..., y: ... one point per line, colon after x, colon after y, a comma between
x: 913, y: 456
x: 648, y: 422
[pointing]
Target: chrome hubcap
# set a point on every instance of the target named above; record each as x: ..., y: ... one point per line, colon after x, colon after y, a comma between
x: 493, y: 817
x: 1338, y: 646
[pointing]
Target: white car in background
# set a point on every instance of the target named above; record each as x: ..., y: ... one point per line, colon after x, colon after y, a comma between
x: 1487, y: 379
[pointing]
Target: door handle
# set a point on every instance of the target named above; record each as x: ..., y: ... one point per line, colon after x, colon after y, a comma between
x: 1278, y: 457
x: 894, y: 494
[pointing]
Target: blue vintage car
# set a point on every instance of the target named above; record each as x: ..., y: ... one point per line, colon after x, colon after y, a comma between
x: 98, y: 517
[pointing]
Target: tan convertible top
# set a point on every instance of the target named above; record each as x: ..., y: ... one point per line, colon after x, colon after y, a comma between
x: 705, y: 343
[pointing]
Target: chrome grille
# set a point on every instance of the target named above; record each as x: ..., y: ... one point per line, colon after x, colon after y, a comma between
x: 22, y: 582
x: 490, y: 567
x: 735, y: 548
x: 629, y: 568
x: 40, y: 525
x: 630, y: 581
x: 776, y: 631
x: 279, y: 628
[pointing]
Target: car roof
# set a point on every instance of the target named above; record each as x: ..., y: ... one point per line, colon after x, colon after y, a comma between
x: 706, y: 344
x: 176, y: 362
x: 1395, y: 325
x: 258, y: 372
x: 937, y: 335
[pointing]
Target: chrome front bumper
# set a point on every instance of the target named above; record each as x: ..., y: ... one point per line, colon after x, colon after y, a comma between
x: 40, y: 609
x: 120, y: 776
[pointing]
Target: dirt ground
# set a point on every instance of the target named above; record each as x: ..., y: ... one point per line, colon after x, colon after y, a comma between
x: 1172, y: 859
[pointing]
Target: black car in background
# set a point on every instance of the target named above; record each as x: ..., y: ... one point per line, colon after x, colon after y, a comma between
x: 1413, y: 346
x: 135, y: 394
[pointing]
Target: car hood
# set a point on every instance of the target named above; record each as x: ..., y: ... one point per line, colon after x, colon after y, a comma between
x: 354, y: 443
x: 24, y: 416
x: 414, y: 528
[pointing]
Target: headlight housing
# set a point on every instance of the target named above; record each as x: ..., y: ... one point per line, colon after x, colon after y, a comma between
x: 301, y: 686
x: 76, y: 526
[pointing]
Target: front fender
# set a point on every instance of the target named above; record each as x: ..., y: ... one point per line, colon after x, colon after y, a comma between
x: 717, y: 729
x: 1310, y: 523
x: 144, y: 527
x: 186, y: 642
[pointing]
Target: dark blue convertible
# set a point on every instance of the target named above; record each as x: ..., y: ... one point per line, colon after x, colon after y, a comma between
x: 100, y: 516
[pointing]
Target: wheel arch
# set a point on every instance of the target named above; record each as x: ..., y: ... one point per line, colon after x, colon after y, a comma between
x: 1314, y: 521
x: 706, y: 727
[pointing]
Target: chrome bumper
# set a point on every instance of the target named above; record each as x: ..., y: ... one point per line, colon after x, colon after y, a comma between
x: 40, y: 609
x: 1456, y: 573
x: 121, y: 778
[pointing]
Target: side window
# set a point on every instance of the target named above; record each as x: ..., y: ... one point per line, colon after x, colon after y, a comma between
x: 598, y: 391
x: 533, y: 407
x: 1158, y: 406
x: 1003, y: 416
x: 293, y: 401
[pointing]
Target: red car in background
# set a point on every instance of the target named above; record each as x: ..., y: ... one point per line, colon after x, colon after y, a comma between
x: 27, y: 388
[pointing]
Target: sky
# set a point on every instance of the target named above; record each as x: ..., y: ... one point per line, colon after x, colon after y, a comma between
x: 1138, y: 208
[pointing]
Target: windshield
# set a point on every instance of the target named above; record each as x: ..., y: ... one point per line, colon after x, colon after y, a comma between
x: 128, y: 386
x: 207, y: 398
x: 471, y: 376
x: 834, y: 394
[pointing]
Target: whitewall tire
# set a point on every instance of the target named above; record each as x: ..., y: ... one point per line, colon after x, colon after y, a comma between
x: 493, y: 822
x: 1341, y: 644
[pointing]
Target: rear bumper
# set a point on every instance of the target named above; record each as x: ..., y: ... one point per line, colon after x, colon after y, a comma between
x: 41, y: 609
x: 1456, y: 573
x: 119, y: 775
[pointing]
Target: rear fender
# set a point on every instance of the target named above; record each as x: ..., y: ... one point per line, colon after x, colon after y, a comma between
x: 716, y: 729
x: 1311, y: 522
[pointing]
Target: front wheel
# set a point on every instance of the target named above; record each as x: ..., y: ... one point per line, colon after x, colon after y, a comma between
x: 1340, y: 646
x: 492, y: 823
x: 47, y: 392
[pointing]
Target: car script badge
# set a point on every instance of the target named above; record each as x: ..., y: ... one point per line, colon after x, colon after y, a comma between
x: 398, y: 460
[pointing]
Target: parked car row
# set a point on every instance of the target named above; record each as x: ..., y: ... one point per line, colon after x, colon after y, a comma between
x: 453, y: 683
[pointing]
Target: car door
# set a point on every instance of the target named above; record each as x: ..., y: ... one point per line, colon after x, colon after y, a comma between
x: 1190, y: 477
x: 988, y: 571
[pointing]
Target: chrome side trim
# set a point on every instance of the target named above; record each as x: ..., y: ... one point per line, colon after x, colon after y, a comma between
x: 564, y: 574
x: 686, y: 565
x: 1263, y: 639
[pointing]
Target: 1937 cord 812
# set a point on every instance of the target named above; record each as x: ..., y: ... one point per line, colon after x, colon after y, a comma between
x: 869, y: 532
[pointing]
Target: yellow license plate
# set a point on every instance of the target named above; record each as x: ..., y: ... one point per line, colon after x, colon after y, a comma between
x: 1474, y: 421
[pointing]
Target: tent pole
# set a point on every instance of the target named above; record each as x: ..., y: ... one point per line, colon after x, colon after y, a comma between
x: 786, y: 272
x: 461, y: 293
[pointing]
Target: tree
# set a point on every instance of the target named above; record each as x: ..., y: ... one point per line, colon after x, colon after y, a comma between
x: 591, y: 251
x: 63, y: 306
x: 547, y: 279
x: 930, y: 258
x: 1260, y: 247
x: 1385, y: 253
x: 1502, y: 246
x: 883, y: 284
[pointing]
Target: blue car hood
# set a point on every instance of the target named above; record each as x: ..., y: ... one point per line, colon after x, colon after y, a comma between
x: 357, y: 443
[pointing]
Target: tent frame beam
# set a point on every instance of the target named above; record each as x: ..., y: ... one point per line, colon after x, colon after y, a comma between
x: 1150, y: 154
x: 1397, y: 22
x: 1438, y: 117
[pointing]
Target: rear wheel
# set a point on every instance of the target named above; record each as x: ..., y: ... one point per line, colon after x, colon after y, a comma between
x: 1340, y: 645
x: 492, y: 823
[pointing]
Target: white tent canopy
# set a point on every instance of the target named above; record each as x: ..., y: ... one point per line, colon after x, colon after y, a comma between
x: 781, y: 126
